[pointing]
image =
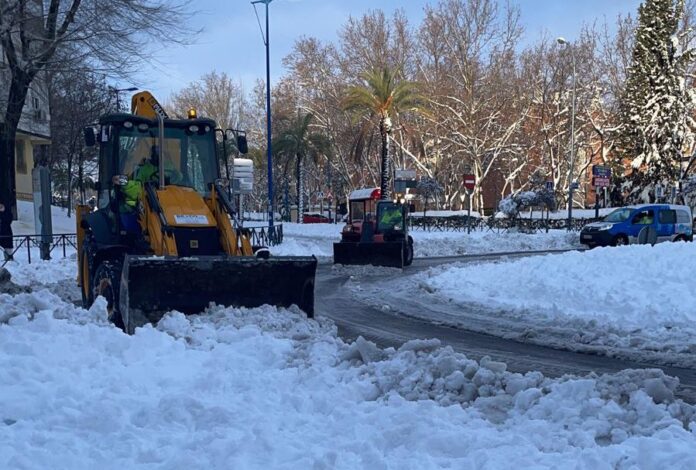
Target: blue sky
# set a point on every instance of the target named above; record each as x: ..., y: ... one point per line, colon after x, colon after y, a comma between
x: 231, y: 40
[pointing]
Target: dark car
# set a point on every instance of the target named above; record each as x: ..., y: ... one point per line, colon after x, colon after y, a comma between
x: 314, y: 218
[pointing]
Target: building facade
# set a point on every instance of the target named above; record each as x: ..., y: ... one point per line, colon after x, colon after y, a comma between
x: 34, y: 131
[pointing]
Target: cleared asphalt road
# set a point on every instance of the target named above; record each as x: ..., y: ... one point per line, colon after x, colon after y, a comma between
x: 356, y: 318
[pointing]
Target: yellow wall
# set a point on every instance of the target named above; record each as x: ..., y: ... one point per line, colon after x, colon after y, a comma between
x: 23, y: 178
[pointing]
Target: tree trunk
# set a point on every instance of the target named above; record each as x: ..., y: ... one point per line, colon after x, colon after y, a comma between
x: 384, y: 173
x: 70, y: 184
x: 7, y: 163
x: 19, y: 86
x: 300, y: 189
x: 81, y: 176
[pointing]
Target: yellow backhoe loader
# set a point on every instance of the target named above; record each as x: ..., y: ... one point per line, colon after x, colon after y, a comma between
x: 165, y: 236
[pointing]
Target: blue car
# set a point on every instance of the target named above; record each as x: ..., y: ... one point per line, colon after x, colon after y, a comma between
x: 645, y: 224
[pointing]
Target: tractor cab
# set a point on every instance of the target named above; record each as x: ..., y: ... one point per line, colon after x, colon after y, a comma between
x: 376, y: 232
x: 129, y: 142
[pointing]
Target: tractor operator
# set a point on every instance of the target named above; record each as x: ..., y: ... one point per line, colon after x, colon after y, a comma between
x: 146, y: 172
x: 391, y: 218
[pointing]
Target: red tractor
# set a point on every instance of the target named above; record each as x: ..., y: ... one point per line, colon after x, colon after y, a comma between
x: 376, y: 232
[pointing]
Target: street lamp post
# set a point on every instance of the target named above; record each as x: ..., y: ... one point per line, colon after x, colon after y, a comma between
x: 116, y: 91
x: 564, y: 42
x: 267, y: 42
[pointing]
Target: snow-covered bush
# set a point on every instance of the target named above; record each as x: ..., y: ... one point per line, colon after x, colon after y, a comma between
x: 513, y: 204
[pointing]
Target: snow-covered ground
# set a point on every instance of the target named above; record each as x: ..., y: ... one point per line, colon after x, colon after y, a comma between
x: 622, y: 301
x: 318, y: 239
x: 268, y: 388
x: 25, y: 224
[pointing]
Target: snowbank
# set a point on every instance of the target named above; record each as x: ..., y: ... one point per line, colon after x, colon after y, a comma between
x: 318, y: 239
x: 637, y: 297
x: 267, y: 388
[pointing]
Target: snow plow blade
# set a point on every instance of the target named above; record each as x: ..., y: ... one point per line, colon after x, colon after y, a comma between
x: 153, y: 286
x: 389, y: 254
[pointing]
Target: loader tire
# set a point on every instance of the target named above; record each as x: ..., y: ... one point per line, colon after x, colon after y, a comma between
x: 107, y: 279
x: 408, y: 252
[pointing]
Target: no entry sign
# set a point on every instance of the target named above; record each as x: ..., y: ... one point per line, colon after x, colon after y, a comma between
x: 469, y: 182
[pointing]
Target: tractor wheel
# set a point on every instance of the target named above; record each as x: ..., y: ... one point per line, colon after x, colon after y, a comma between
x: 408, y: 252
x: 107, y: 278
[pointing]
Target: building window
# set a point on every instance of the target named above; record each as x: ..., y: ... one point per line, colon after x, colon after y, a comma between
x: 35, y: 102
x: 20, y: 157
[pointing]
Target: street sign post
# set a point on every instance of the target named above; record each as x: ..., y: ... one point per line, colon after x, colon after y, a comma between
x: 404, y: 180
x: 601, y: 171
x: 469, y: 184
x: 600, y: 182
x: 405, y: 174
x: 601, y: 178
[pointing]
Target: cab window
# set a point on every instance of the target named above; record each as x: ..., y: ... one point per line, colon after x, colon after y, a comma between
x: 390, y: 217
x: 643, y: 217
x: 683, y: 217
x: 357, y: 210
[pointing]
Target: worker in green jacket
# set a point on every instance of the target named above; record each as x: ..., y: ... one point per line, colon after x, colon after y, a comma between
x: 147, y: 171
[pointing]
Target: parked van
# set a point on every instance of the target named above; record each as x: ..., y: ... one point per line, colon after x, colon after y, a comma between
x: 645, y: 223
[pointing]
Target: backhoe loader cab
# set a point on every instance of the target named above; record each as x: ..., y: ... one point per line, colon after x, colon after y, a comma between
x: 165, y: 236
x: 127, y: 142
x: 376, y: 232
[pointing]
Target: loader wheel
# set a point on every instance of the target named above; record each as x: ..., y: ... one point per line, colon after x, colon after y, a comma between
x: 106, y: 283
x: 408, y: 252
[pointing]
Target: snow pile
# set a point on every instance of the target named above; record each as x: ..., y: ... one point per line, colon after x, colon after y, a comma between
x: 53, y: 271
x: 318, y: 240
x: 637, y: 297
x: 481, y: 242
x: 267, y: 388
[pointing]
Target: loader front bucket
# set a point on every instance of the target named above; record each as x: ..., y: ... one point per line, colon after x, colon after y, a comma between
x: 390, y: 254
x: 152, y: 286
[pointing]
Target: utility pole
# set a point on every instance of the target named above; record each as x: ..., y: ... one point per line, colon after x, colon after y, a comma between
x: 267, y: 42
x: 564, y: 42
x: 117, y: 92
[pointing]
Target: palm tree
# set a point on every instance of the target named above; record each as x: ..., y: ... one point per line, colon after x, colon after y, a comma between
x: 297, y: 141
x: 381, y: 96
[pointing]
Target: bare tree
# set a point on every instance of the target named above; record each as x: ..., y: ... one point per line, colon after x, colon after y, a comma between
x: 77, y: 98
x: 216, y: 96
x: 113, y: 36
x: 477, y: 105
